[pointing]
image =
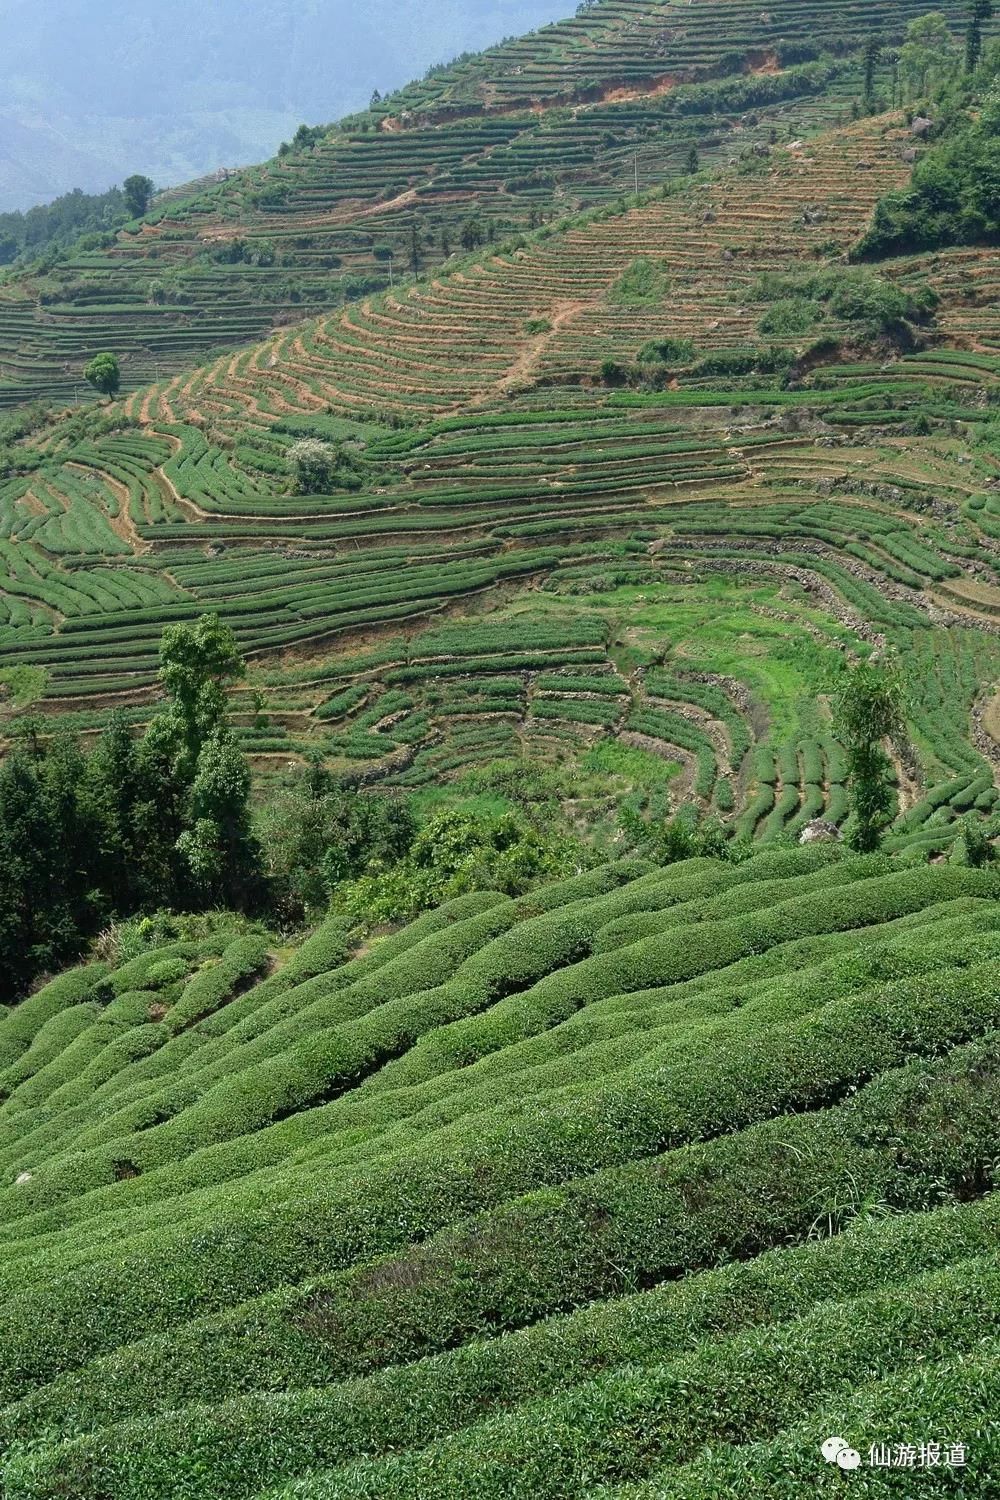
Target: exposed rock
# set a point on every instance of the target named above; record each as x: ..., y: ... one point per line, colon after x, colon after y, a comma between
x: 820, y: 831
x: 20, y: 1180
x: 921, y: 125
x: 731, y: 686
x: 981, y: 737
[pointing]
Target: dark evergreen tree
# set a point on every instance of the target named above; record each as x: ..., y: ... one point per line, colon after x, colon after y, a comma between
x: 979, y: 11
x: 138, y: 191
x: 870, y: 59
x: 135, y: 825
x: 870, y: 711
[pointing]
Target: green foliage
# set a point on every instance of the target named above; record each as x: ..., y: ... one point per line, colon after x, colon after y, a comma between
x: 318, y: 835
x: 980, y: 11
x: 681, y: 837
x: 455, y: 852
x: 870, y: 709
x: 642, y: 284
x: 790, y: 316
x: 313, y: 465
x: 667, y: 351
x: 104, y: 373
x: 52, y: 226
x: 198, y: 662
x: 928, y: 54
x: 800, y: 303
x: 953, y: 197
x: 133, y: 824
x: 137, y: 191
x: 472, y: 234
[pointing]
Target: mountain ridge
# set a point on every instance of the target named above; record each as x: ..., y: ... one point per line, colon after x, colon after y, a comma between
x: 271, y: 68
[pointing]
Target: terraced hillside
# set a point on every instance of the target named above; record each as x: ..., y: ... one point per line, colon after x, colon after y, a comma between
x: 640, y: 1185
x: 635, y: 1185
x: 652, y: 554
x: 573, y: 116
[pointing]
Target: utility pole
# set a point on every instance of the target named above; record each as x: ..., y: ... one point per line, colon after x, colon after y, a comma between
x: 635, y: 163
x: 392, y: 284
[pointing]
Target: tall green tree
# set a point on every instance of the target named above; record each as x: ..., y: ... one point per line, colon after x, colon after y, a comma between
x: 927, y: 54
x: 138, y: 192
x: 979, y: 11
x: 217, y: 858
x: 126, y: 807
x: 198, y: 662
x: 869, y: 712
x: 218, y: 847
x: 136, y: 824
x: 49, y: 890
x: 104, y: 373
x: 416, y: 247
x: 870, y: 56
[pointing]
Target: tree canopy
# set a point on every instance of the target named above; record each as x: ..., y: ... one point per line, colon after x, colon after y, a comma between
x: 162, y: 819
x: 138, y: 191
x: 870, y: 710
x: 104, y: 373
x: 928, y: 54
x: 953, y: 197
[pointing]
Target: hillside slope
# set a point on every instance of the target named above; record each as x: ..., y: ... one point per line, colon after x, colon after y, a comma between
x: 648, y: 1181
x: 646, y: 537
x: 568, y: 117
x: 90, y: 96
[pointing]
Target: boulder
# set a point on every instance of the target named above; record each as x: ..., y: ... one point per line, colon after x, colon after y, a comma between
x: 820, y: 831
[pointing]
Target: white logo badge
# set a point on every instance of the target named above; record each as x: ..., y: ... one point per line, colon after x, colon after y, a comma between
x: 836, y: 1451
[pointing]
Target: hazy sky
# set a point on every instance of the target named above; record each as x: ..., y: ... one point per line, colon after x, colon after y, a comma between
x: 91, y: 91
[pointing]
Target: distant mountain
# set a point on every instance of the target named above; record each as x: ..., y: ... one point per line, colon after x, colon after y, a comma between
x: 89, y: 94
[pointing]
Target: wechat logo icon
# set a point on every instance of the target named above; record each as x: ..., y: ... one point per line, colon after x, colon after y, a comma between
x: 836, y: 1451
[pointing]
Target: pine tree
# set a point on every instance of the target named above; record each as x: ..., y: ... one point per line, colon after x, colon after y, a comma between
x: 980, y: 11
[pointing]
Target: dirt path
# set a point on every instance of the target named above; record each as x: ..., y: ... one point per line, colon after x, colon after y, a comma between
x: 909, y: 790
x: 122, y: 524
x: 706, y: 722
x: 986, y: 731
x: 534, y: 347
x: 169, y: 489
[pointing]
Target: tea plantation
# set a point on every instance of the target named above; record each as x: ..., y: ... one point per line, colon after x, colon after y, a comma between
x: 575, y: 115
x: 653, y: 499
x: 641, y: 1184
x: 552, y: 452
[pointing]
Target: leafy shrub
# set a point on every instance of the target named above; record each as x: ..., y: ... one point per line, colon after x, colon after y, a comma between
x: 790, y: 316
x: 667, y: 351
x: 642, y: 284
